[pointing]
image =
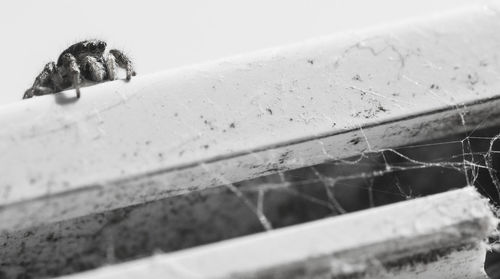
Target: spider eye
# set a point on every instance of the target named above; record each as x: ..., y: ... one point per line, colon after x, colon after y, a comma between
x: 102, y: 45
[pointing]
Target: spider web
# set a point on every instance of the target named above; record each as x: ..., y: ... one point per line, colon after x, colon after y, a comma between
x: 379, y: 177
x: 339, y: 186
x: 385, y: 175
x: 370, y: 179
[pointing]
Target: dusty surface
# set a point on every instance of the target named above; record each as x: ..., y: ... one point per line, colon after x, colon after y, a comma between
x: 163, y: 135
x: 68, y: 165
x: 434, y: 237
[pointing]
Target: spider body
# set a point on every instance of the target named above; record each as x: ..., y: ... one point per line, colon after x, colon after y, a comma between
x: 83, y: 61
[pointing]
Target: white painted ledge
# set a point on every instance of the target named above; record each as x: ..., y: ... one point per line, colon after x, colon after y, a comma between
x: 440, y: 236
x: 238, y: 118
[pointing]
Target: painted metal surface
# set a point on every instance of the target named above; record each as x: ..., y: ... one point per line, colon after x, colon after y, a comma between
x: 231, y: 120
x: 439, y: 236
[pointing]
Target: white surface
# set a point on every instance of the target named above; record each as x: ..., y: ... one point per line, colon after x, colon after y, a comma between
x: 356, y: 244
x: 164, y: 34
x: 165, y: 134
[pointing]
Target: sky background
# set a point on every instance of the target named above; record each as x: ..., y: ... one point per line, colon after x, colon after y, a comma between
x: 160, y: 35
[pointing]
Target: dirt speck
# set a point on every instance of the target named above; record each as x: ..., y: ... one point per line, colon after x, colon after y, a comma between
x: 473, y: 79
x: 209, y: 124
x: 434, y: 86
x: 283, y: 157
x: 355, y: 141
x: 381, y: 108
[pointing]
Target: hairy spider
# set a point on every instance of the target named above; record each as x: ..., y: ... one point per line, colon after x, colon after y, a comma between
x: 83, y: 61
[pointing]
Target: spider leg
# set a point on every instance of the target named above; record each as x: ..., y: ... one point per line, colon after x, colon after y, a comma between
x: 124, y: 62
x: 44, y: 82
x: 110, y: 66
x: 92, y: 69
x: 45, y: 76
x: 38, y: 91
x: 28, y: 94
x: 58, y: 82
x: 70, y: 67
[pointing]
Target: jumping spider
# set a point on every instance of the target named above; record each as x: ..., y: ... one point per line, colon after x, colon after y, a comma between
x: 83, y: 61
